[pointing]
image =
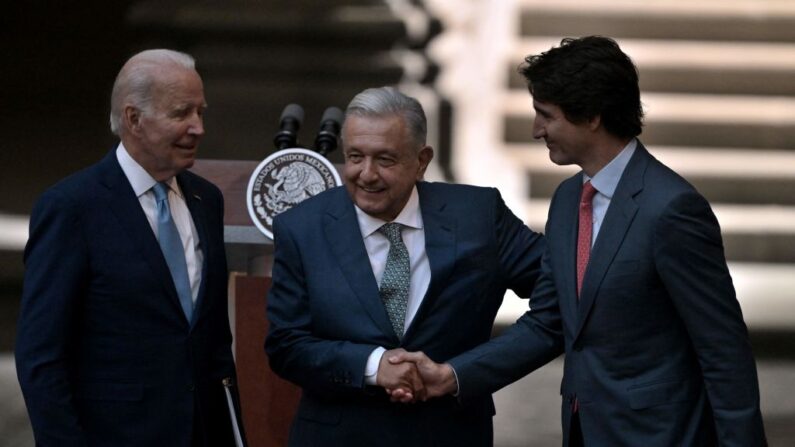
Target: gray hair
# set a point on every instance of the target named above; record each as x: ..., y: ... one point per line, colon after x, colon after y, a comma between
x: 137, y: 77
x: 383, y: 101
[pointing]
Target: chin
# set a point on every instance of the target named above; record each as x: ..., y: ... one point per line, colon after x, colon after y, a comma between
x: 370, y: 208
x: 558, y: 160
x: 185, y: 163
x: 375, y: 211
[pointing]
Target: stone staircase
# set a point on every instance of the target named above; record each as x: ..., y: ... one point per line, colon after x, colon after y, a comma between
x: 718, y: 88
x: 258, y: 56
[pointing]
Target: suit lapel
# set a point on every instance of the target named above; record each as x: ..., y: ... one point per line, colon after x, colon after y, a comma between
x: 343, y: 235
x: 194, y: 203
x: 439, y: 246
x: 617, y: 221
x: 125, y: 205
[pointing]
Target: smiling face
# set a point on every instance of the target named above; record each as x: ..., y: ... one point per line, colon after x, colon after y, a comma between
x: 568, y: 142
x: 165, y: 139
x: 382, y: 163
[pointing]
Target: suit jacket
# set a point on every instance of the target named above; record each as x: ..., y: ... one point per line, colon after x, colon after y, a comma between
x: 326, y: 316
x: 657, y: 353
x: 105, y: 355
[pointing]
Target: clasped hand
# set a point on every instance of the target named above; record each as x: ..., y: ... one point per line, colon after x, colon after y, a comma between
x: 412, y: 376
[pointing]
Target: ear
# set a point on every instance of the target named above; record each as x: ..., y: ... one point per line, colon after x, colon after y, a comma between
x: 131, y: 116
x: 425, y: 156
x: 595, y: 122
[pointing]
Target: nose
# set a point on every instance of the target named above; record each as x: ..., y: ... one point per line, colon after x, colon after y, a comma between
x: 539, y: 131
x: 197, y: 125
x: 369, y: 173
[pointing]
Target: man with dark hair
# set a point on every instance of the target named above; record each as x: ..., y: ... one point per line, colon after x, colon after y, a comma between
x: 585, y: 78
x: 390, y: 262
x: 123, y: 336
x: 657, y: 353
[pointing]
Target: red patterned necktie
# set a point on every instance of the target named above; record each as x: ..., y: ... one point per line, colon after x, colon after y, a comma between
x: 584, y: 232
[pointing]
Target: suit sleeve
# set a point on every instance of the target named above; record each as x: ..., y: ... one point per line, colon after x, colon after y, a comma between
x: 536, y: 338
x: 324, y: 366
x: 520, y: 250
x: 690, y: 260
x: 531, y: 342
x: 56, y: 271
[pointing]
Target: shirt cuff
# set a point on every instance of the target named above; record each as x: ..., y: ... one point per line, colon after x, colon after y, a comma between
x: 457, y: 389
x: 371, y: 369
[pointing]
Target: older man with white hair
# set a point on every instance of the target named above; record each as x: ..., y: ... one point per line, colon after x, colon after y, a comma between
x: 124, y: 338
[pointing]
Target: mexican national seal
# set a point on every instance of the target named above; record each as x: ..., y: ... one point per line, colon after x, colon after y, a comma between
x: 283, y: 180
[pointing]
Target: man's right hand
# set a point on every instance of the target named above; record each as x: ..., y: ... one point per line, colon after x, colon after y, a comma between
x: 439, y: 378
x: 403, y: 378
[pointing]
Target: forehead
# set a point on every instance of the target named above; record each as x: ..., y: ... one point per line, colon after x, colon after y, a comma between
x: 178, y: 85
x: 384, y: 132
x: 547, y: 108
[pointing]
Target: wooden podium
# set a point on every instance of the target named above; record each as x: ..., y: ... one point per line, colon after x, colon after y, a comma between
x: 268, y: 402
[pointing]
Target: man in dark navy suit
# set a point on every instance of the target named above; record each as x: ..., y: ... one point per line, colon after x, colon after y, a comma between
x: 657, y: 353
x: 390, y: 262
x: 123, y: 334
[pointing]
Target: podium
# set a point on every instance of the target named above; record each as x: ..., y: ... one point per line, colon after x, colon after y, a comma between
x: 268, y: 402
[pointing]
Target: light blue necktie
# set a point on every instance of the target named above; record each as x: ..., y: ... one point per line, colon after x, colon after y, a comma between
x: 394, y: 288
x: 171, y: 245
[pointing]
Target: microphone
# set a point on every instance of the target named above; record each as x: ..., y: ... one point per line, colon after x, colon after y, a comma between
x: 328, y: 134
x: 289, y: 123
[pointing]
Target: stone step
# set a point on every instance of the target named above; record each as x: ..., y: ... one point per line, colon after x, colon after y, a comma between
x: 275, y: 63
x: 763, y: 290
x: 731, y: 20
x: 717, y: 189
x: 758, y: 234
x: 688, y: 120
x: 701, y: 162
x: 705, y: 67
x: 337, y: 24
x: 13, y: 231
x: 744, y: 176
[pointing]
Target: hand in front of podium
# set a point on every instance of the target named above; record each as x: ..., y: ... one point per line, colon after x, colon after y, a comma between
x: 402, y: 376
x: 439, y: 378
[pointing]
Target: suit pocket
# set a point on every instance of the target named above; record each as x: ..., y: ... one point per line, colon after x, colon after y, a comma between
x: 663, y: 392
x: 110, y: 391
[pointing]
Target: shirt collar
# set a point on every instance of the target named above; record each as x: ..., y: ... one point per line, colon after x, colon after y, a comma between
x: 606, y: 180
x: 409, y: 216
x: 139, y: 179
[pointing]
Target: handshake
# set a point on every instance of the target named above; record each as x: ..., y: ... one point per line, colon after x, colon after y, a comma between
x: 412, y: 376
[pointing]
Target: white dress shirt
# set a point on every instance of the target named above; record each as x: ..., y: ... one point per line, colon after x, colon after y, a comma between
x: 605, y: 182
x: 142, y: 184
x: 377, y: 247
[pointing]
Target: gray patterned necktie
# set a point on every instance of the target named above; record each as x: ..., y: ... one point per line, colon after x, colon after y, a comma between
x: 394, y: 289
